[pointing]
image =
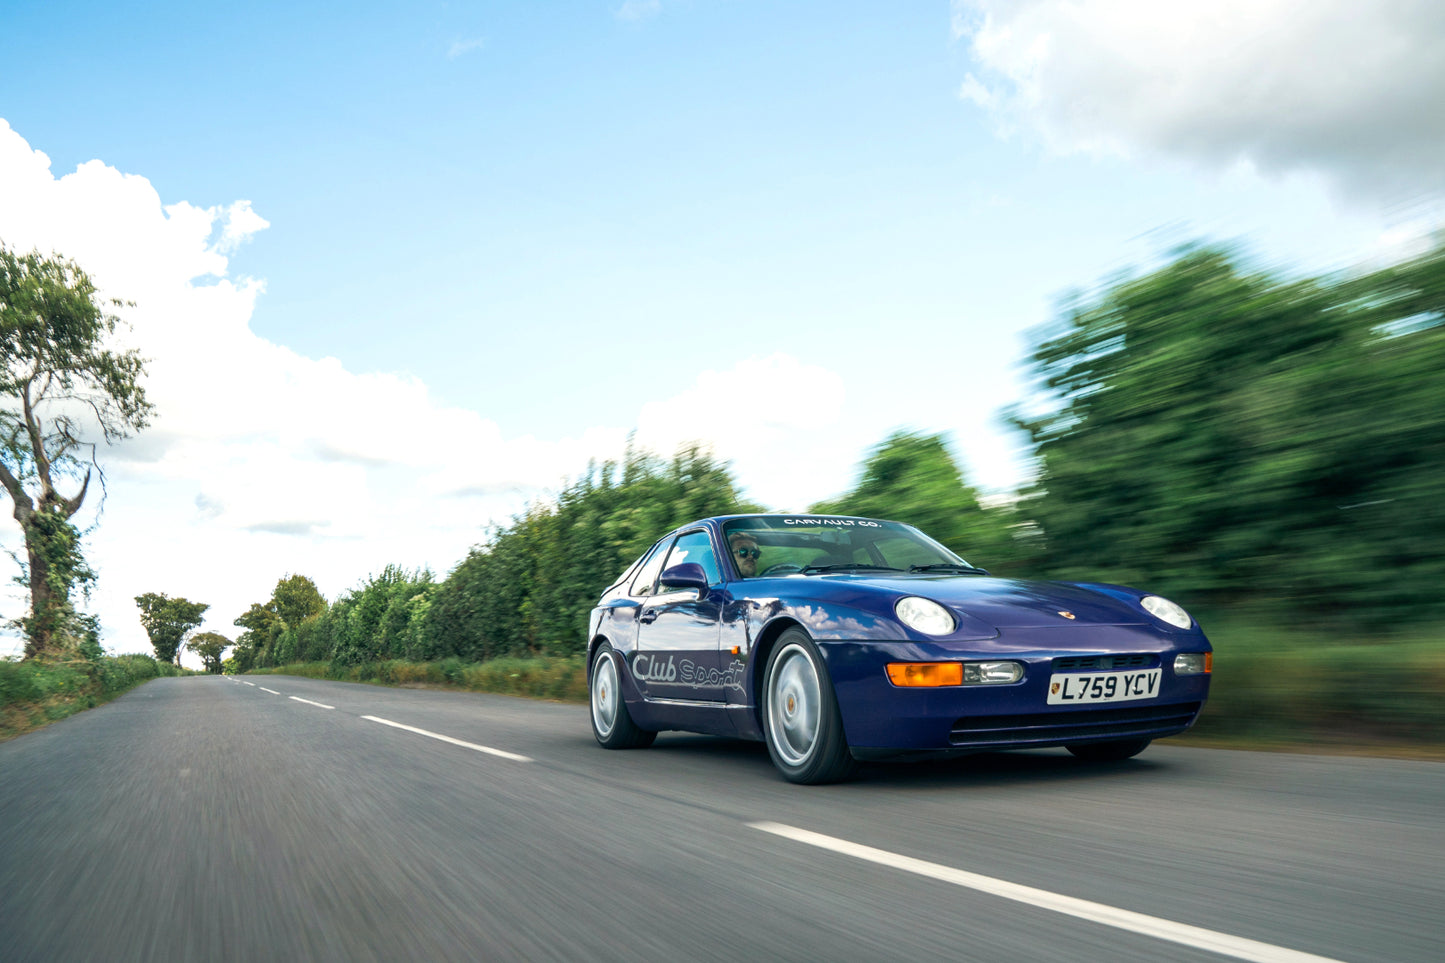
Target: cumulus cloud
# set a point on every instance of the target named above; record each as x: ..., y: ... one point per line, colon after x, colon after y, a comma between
x: 1348, y: 90
x: 249, y: 438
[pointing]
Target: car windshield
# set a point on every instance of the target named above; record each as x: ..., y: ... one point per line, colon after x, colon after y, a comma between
x: 771, y: 545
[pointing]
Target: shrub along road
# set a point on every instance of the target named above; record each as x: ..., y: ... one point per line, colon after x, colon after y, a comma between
x: 207, y: 818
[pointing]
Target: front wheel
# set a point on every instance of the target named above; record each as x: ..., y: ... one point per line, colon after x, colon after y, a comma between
x: 1110, y: 751
x: 801, y: 722
x: 611, y: 722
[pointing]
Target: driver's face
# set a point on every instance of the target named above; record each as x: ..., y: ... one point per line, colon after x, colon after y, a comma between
x: 745, y: 556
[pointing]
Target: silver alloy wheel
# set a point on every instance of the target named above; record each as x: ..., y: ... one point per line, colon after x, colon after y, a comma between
x: 605, y: 695
x: 795, y: 704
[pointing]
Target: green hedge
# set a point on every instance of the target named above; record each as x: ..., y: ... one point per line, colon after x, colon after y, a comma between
x: 34, y: 693
x: 563, y: 678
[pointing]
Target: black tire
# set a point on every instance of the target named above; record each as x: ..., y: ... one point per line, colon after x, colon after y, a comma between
x: 611, y: 722
x: 801, y: 722
x: 1110, y: 751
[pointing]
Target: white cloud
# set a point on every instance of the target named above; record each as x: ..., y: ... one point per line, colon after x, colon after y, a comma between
x: 779, y: 421
x: 260, y: 461
x: 1349, y: 90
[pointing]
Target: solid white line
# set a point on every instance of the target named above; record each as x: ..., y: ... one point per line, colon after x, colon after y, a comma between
x: 456, y: 742
x: 264, y: 689
x: 1182, y: 933
x: 310, y: 703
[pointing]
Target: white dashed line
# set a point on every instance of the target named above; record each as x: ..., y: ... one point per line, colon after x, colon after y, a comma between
x: 318, y: 705
x: 1182, y: 933
x: 251, y: 684
x: 456, y: 742
x: 264, y: 689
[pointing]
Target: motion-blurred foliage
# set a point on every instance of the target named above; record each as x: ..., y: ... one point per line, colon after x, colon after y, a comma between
x: 1234, y: 437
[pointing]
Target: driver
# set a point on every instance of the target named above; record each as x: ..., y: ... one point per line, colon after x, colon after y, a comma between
x: 745, y: 553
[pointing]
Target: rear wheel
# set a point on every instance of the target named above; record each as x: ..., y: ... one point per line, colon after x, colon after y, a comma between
x: 611, y: 722
x: 1110, y: 751
x: 801, y: 722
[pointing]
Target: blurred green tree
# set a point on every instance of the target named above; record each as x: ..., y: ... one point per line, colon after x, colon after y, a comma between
x: 1230, y: 435
x: 62, y: 390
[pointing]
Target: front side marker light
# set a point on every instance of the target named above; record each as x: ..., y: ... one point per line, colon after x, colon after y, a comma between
x: 933, y: 674
x: 1194, y: 663
x: 911, y: 674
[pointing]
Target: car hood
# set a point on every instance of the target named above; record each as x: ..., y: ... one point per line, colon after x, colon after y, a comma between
x: 1014, y: 603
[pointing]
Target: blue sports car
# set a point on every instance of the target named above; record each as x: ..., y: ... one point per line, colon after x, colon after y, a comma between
x: 835, y: 639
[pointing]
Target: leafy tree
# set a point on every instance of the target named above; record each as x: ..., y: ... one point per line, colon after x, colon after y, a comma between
x: 912, y: 478
x: 167, y: 621
x: 210, y: 646
x: 263, y: 626
x: 296, y: 600
x: 61, y: 389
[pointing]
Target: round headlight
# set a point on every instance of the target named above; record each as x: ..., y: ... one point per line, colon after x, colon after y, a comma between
x: 1166, y: 611
x: 924, y: 615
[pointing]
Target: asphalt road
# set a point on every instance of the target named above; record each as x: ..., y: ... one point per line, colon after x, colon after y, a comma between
x: 208, y: 819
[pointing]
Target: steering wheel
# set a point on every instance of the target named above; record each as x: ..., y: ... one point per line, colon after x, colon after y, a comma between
x: 782, y: 568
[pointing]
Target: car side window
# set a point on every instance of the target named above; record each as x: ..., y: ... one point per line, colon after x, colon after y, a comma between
x: 646, y: 580
x: 696, y: 547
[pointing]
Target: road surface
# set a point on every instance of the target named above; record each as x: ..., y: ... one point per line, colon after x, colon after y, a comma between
x: 277, y: 818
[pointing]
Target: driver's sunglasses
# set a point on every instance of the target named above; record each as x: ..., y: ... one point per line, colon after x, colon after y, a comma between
x: 747, y: 552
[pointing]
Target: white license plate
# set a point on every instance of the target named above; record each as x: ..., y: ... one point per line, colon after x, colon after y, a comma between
x: 1070, y: 688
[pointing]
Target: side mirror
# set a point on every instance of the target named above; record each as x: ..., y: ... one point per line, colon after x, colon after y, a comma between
x: 688, y: 575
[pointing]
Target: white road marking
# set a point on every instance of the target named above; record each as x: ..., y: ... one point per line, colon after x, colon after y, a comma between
x: 310, y: 703
x: 1181, y: 933
x: 264, y: 689
x: 456, y: 742
x: 251, y: 684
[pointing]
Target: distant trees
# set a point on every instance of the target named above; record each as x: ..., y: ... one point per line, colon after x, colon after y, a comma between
x: 294, y: 602
x: 211, y: 647
x: 167, y: 621
x: 62, y: 390
x: 1250, y: 439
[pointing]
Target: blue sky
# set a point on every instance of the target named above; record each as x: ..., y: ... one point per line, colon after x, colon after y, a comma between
x: 781, y: 229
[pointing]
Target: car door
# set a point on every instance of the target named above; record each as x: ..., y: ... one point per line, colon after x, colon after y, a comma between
x: 678, y: 630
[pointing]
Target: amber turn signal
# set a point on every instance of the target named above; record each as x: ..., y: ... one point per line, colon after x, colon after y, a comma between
x: 925, y: 673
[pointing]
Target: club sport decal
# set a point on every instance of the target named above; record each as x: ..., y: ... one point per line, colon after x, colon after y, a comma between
x: 647, y: 667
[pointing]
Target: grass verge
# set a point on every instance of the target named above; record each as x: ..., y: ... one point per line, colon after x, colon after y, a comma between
x: 1300, y: 690
x: 557, y: 678
x: 34, y: 694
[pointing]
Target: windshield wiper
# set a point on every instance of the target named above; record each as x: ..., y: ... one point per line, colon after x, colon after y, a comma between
x: 848, y: 567
x: 949, y: 567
